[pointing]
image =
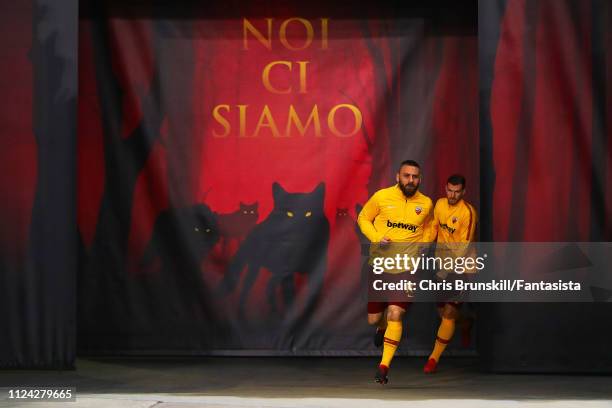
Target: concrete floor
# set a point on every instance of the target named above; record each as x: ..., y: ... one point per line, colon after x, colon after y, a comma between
x: 305, y: 382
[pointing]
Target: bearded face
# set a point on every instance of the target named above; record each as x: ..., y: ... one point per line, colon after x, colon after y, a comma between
x: 408, y: 179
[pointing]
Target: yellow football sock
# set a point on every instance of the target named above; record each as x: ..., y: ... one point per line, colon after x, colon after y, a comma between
x: 393, y: 334
x: 445, y: 334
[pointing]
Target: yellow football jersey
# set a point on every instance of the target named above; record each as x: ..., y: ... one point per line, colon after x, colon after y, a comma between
x: 389, y: 213
x: 454, y: 223
x: 455, y: 226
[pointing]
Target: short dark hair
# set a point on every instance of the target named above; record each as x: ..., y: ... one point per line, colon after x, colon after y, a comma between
x: 456, y: 179
x: 408, y: 163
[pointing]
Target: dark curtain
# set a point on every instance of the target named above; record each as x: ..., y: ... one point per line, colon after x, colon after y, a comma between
x: 38, y: 252
x: 546, y: 162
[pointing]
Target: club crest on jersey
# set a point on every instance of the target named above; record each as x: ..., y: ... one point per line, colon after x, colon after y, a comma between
x: 455, y: 219
x: 418, y: 210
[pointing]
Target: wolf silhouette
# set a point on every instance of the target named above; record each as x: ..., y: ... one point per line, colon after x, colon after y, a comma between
x: 342, y: 216
x: 235, y: 226
x: 181, y: 239
x: 292, y: 239
x: 238, y: 224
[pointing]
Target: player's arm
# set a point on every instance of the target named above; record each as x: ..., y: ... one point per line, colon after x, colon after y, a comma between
x: 365, y: 220
x: 430, y: 231
x: 468, y: 225
x: 430, y: 226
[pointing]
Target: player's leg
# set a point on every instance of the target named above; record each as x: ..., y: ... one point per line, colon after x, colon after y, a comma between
x: 392, y: 337
x: 450, y: 312
x: 465, y: 322
x: 377, y: 317
x: 440, y: 308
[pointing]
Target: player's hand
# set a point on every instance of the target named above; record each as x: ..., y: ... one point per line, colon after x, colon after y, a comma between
x: 385, y: 241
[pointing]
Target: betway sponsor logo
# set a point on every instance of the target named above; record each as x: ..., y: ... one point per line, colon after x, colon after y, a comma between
x: 446, y: 227
x: 409, y: 227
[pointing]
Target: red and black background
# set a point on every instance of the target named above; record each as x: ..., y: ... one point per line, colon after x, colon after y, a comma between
x: 513, y: 94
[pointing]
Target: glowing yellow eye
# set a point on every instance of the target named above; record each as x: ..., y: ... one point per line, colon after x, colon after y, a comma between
x: 196, y: 229
x: 207, y: 229
x: 289, y: 214
x: 308, y: 214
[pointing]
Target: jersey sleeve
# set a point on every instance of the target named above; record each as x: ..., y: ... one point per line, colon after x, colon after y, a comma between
x: 365, y: 219
x: 468, y: 230
x: 430, y: 227
x: 431, y: 233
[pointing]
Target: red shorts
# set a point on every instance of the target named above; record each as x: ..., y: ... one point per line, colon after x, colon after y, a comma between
x: 378, y: 307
